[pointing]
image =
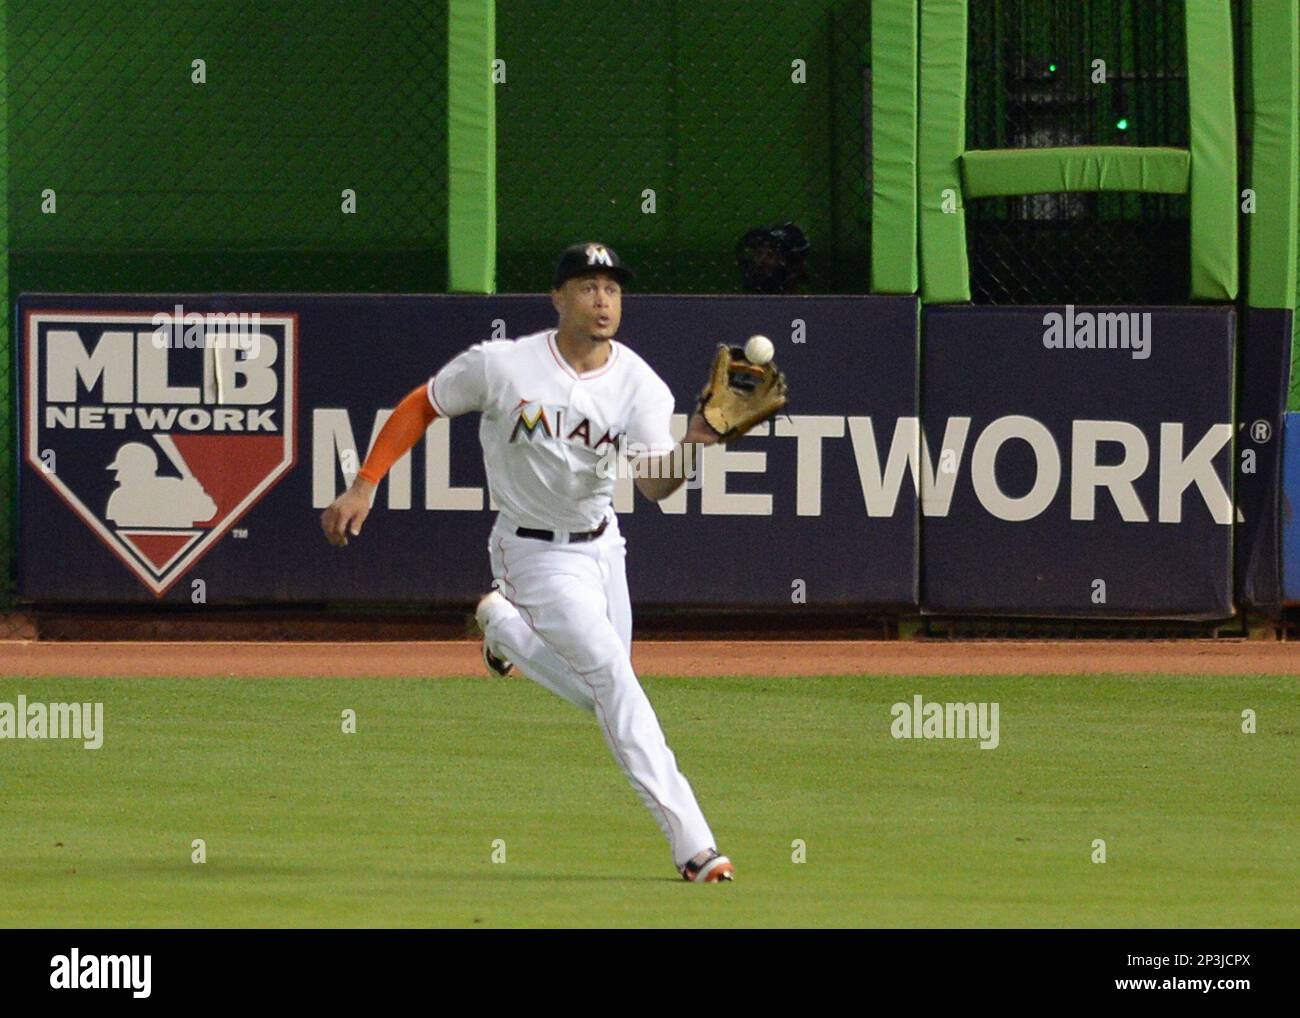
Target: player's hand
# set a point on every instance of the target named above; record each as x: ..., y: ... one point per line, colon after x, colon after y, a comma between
x: 698, y: 431
x: 347, y: 513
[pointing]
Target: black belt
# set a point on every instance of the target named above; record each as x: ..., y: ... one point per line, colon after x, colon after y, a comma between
x: 549, y: 535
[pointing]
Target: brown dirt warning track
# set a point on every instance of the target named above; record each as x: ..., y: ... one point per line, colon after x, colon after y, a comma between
x: 440, y: 659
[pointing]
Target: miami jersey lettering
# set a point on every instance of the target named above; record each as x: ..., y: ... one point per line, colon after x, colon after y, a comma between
x: 545, y: 428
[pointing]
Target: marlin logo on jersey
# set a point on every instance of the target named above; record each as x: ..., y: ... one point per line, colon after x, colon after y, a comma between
x: 159, y: 447
x: 532, y: 421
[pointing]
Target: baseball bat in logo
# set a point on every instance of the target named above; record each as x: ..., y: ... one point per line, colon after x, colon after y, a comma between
x: 161, y: 446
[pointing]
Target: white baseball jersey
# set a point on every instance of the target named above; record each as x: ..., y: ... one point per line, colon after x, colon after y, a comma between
x: 551, y: 436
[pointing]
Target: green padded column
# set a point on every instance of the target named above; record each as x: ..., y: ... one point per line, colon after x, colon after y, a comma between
x: 1213, y: 120
x: 471, y: 146
x: 945, y: 277
x: 1275, y: 81
x: 893, y: 134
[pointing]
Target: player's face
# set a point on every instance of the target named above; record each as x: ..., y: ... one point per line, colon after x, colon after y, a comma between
x: 590, y: 305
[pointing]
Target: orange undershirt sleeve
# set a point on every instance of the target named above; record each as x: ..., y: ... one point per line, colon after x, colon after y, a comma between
x: 400, y: 432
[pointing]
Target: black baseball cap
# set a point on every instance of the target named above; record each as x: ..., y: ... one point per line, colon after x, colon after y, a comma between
x: 580, y: 259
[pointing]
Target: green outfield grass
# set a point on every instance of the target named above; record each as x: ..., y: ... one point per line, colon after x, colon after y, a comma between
x: 394, y: 825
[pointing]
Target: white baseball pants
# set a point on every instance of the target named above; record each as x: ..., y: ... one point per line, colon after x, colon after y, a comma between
x: 568, y: 627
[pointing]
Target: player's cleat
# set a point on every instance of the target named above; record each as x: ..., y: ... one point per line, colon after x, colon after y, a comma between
x: 711, y: 869
x: 496, y: 665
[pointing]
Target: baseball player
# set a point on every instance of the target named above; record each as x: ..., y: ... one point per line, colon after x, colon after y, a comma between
x: 555, y: 406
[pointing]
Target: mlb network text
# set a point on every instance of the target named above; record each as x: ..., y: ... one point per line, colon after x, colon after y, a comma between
x: 1185, y: 465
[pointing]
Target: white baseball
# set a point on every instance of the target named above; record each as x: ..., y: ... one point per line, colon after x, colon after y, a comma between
x: 759, y: 350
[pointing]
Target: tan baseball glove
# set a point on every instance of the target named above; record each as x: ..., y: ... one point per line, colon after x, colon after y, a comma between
x: 740, y: 394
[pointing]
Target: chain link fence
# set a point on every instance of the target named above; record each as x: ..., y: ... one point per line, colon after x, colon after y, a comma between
x: 679, y: 127
x: 1043, y: 73
x: 187, y: 146
x: 206, y: 146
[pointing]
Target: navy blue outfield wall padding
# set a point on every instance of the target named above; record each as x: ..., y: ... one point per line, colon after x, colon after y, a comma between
x: 1264, y: 369
x: 187, y: 473
x: 1088, y: 461
x: 1290, y: 513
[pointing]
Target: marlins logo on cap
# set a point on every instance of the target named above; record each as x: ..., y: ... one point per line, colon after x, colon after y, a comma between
x: 580, y: 259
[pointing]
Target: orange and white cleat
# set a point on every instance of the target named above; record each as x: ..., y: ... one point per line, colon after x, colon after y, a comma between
x: 709, y: 868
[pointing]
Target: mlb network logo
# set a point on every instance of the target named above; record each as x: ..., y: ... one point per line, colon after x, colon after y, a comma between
x: 160, y: 436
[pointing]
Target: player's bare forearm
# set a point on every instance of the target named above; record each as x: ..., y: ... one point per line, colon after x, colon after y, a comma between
x: 403, y: 429
x: 660, y: 479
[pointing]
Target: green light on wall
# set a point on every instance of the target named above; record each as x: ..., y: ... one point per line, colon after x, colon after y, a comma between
x: 1122, y: 124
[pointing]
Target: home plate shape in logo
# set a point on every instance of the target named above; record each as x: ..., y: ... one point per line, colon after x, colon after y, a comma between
x: 161, y: 438
x: 159, y: 549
